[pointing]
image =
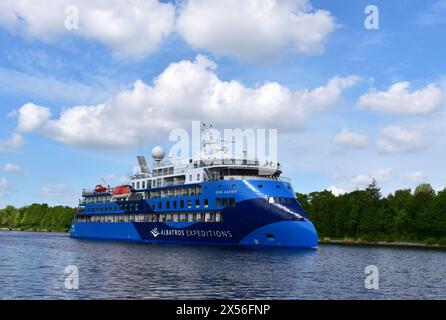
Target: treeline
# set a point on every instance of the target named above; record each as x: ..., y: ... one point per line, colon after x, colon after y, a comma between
x: 36, y: 217
x: 418, y: 216
x: 363, y: 215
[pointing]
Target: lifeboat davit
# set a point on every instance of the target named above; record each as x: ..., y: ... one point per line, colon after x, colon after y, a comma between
x: 100, y: 188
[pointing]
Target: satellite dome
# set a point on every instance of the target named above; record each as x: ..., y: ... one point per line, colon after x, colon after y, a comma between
x: 158, y: 154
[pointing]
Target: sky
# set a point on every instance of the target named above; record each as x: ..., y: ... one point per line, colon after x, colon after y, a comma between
x: 355, y: 94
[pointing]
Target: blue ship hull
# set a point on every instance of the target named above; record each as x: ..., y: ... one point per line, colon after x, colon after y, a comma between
x: 285, y: 234
x: 253, y: 221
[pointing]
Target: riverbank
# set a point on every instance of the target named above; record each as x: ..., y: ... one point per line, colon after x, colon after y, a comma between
x: 401, y: 244
x: 345, y: 241
x: 34, y: 230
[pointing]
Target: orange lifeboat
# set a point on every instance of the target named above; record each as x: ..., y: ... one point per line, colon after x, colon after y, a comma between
x: 121, y: 191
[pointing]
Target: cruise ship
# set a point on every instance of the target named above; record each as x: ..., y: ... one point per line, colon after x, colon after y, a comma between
x: 213, y: 200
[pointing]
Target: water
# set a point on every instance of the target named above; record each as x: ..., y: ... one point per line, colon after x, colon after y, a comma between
x: 32, y: 266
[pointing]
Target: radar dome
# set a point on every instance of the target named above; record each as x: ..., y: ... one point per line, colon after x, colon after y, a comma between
x: 158, y: 154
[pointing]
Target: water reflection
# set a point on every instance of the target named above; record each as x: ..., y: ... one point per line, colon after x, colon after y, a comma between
x: 33, y: 264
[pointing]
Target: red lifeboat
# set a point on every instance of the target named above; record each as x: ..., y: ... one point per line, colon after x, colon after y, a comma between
x: 122, y: 190
x: 100, y: 188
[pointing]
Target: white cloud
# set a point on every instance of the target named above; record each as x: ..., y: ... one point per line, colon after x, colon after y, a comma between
x: 57, y: 191
x: 12, y: 144
x: 253, y: 29
x: 382, y: 175
x: 187, y: 91
x: 415, y: 177
x: 399, y: 99
x: 336, y: 191
x: 362, y: 180
x: 351, y: 139
x: 32, y: 116
x: 133, y: 27
x: 5, y: 187
x: 394, y: 139
x: 10, y: 167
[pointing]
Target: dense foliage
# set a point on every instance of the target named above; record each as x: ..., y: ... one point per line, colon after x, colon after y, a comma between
x: 37, y: 216
x: 362, y: 214
x: 366, y: 215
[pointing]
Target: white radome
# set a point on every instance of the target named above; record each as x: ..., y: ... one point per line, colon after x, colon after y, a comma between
x: 158, y: 153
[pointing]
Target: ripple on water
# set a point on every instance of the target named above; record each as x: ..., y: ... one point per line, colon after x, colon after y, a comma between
x: 33, y: 264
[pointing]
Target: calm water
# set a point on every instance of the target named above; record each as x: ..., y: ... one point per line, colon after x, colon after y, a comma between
x: 32, y: 266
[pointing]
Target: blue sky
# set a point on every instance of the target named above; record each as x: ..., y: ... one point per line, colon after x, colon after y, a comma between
x: 337, y: 134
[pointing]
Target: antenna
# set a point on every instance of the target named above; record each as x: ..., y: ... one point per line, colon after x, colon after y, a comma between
x: 143, y: 164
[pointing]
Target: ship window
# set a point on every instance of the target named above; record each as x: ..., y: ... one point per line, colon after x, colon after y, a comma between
x: 190, y: 177
x: 207, y: 217
x: 189, y: 204
x: 224, y: 202
x: 288, y: 200
x: 182, y: 217
x: 234, y: 186
x: 175, y: 217
x: 260, y: 186
x: 137, y: 185
x: 143, y: 185
x: 218, y: 202
x: 271, y: 200
x: 206, y: 203
x: 153, y: 205
x: 190, y: 217
x: 277, y: 186
x: 276, y: 200
x: 199, y: 217
x: 174, y: 204
x: 198, y: 177
x: 217, y: 217
x: 160, y: 205
x: 197, y: 203
x: 232, y: 202
x: 169, y: 218
x: 181, y: 204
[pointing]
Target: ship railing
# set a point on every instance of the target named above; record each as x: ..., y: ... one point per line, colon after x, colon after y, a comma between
x: 236, y: 161
x: 88, y: 192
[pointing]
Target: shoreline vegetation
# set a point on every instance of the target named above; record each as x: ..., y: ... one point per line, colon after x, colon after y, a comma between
x: 361, y: 217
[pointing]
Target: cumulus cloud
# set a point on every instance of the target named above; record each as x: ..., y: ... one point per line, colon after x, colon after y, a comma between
x: 399, y: 99
x: 363, y: 180
x: 351, y: 139
x: 12, y: 144
x: 394, y: 139
x: 133, y: 27
x: 32, y: 116
x: 253, y: 29
x: 336, y: 191
x: 415, y: 177
x: 187, y: 91
x: 57, y: 191
x: 10, y: 167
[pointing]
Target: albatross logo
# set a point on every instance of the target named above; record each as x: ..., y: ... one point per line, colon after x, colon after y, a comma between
x: 155, y: 232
